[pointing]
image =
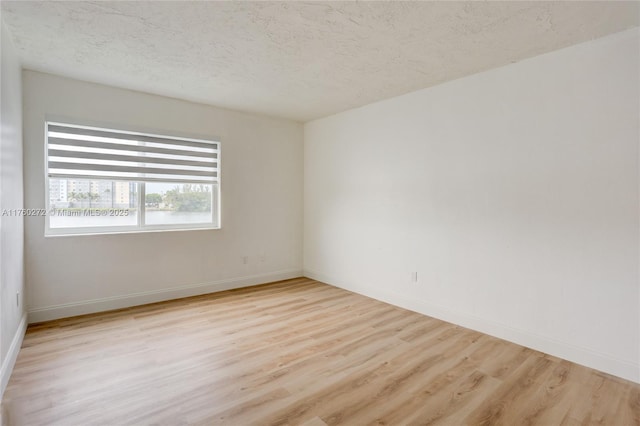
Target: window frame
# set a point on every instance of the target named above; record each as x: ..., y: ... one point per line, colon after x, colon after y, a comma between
x: 139, y: 227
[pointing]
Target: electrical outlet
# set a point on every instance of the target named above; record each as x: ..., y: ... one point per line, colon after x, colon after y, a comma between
x: 414, y: 277
x: 17, y: 299
x: 245, y: 260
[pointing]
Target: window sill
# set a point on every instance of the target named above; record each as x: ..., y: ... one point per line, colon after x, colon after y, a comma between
x: 80, y: 233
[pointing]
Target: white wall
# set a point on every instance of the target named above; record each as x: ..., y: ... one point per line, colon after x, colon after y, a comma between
x: 261, y: 206
x: 12, y: 314
x: 513, y: 193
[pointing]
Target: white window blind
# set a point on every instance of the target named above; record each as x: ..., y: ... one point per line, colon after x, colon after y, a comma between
x: 94, y: 153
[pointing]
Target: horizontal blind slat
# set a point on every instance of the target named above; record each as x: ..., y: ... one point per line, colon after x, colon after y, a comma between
x: 120, y: 147
x: 129, y: 136
x: 129, y: 158
x: 128, y: 169
x: 128, y: 179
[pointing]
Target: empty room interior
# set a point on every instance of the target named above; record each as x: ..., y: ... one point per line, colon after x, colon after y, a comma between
x: 320, y: 213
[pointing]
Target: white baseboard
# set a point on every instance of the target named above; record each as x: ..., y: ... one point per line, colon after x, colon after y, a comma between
x: 583, y: 356
x: 47, y: 313
x: 12, y: 355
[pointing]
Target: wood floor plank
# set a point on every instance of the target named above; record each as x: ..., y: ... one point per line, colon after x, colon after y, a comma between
x: 295, y: 352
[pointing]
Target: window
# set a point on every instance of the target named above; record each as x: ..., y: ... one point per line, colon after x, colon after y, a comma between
x: 104, y: 180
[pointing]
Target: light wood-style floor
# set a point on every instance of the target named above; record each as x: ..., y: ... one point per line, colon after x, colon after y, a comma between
x: 296, y: 352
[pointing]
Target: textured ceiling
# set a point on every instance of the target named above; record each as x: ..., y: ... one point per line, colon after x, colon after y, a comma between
x: 293, y: 59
